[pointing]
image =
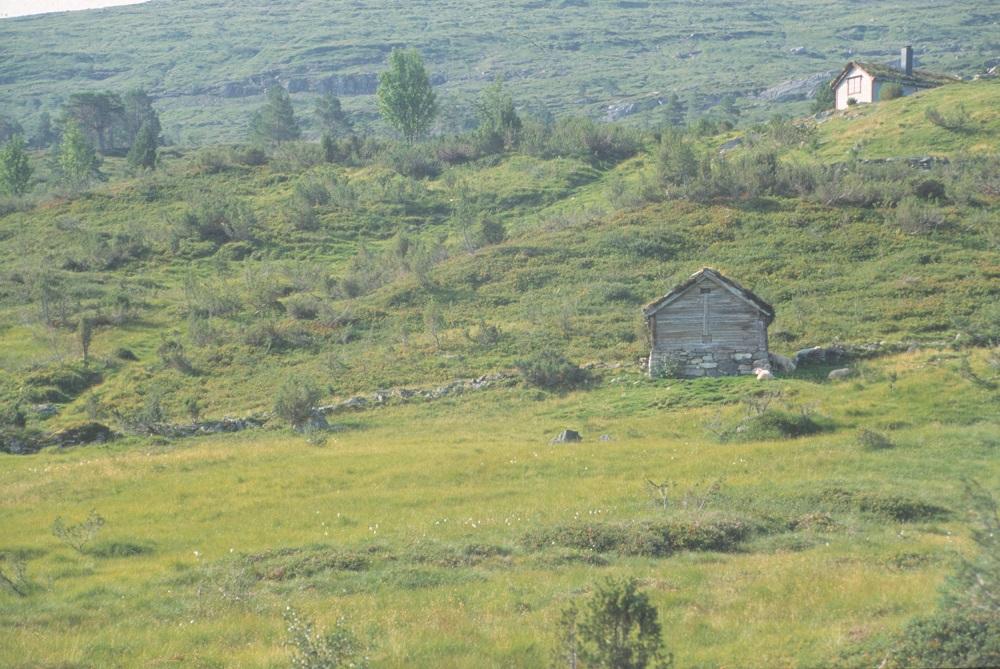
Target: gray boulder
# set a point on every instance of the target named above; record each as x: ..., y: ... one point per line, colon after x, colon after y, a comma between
x: 838, y: 374
x: 567, y: 437
x: 820, y: 355
x: 781, y: 364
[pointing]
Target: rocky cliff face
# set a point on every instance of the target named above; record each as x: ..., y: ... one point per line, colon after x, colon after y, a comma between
x: 364, y: 83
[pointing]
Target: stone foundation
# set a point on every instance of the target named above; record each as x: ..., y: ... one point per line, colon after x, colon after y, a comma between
x: 706, y: 362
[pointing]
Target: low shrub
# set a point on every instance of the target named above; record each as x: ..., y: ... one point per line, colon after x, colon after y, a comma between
x: 314, y: 649
x: 119, y: 549
x: 774, y: 424
x: 294, y: 401
x: 60, y: 384
x: 650, y: 538
x: 967, y: 638
x: 552, y: 371
x: 415, y: 161
x: 890, y: 507
x: 870, y: 440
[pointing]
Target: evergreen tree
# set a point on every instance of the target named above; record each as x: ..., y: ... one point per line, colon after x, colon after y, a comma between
x: 275, y: 121
x: 332, y: 118
x: 825, y: 99
x: 405, y: 97
x: 143, y: 151
x: 77, y: 160
x: 101, y: 116
x: 499, y: 124
x: 675, y: 110
x: 138, y: 110
x: 15, y: 171
x: 9, y: 128
x: 44, y: 135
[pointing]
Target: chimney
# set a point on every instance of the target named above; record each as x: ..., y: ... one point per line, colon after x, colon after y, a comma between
x: 906, y: 59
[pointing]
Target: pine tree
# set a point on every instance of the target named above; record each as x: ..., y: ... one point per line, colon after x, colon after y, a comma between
x: 675, y: 110
x: 15, y: 170
x: 143, y: 151
x: 332, y: 118
x: 77, y: 160
x: 44, y: 135
x: 275, y: 121
x: 405, y: 97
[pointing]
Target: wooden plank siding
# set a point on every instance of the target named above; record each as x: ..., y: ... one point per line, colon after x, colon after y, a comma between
x: 708, y: 326
x: 732, y: 323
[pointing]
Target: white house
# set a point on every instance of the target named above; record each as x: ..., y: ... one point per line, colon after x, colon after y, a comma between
x: 865, y: 82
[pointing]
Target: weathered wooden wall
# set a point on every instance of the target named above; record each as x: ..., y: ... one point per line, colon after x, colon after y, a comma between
x: 725, y: 336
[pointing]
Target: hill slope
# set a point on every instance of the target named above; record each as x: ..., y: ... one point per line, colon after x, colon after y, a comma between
x: 805, y: 522
x: 208, y: 62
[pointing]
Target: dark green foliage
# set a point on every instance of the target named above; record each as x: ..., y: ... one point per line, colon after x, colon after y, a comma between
x: 405, y: 97
x: 9, y: 129
x: 85, y: 335
x: 965, y: 631
x: 551, y: 370
x: 618, y: 628
x: 930, y: 189
x: 826, y: 98
x: 15, y: 170
x: 313, y: 649
x: 101, y: 119
x: 143, y: 151
x: 676, y: 161
x: 499, y: 124
x: 892, y: 507
x: 659, y: 538
x: 414, y: 161
x: 275, y: 121
x: 119, y: 549
x: 295, y: 400
x: 44, y: 134
x: 675, y: 111
x: 331, y: 118
x: 775, y: 424
x: 11, y: 415
x: 60, y: 383
x: 890, y: 92
x: 492, y: 231
x: 138, y: 111
x: 218, y: 219
x: 597, y: 143
x: 949, y: 639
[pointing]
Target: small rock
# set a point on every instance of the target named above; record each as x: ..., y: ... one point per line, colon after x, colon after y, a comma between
x: 782, y: 364
x: 842, y: 373
x: 45, y: 410
x: 566, y: 437
x: 605, y: 437
x: 818, y: 355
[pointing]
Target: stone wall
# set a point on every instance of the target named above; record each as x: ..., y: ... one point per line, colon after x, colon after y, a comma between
x: 706, y: 361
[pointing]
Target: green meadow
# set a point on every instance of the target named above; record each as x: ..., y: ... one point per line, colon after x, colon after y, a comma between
x: 452, y: 531
x: 795, y: 522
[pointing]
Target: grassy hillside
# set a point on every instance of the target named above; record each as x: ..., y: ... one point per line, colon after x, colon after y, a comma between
x: 206, y: 62
x: 456, y: 542
x: 807, y: 520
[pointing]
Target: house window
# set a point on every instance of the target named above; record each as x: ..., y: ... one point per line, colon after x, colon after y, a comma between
x: 853, y: 85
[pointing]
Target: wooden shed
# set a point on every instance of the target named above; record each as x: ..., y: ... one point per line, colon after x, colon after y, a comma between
x: 709, y: 325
